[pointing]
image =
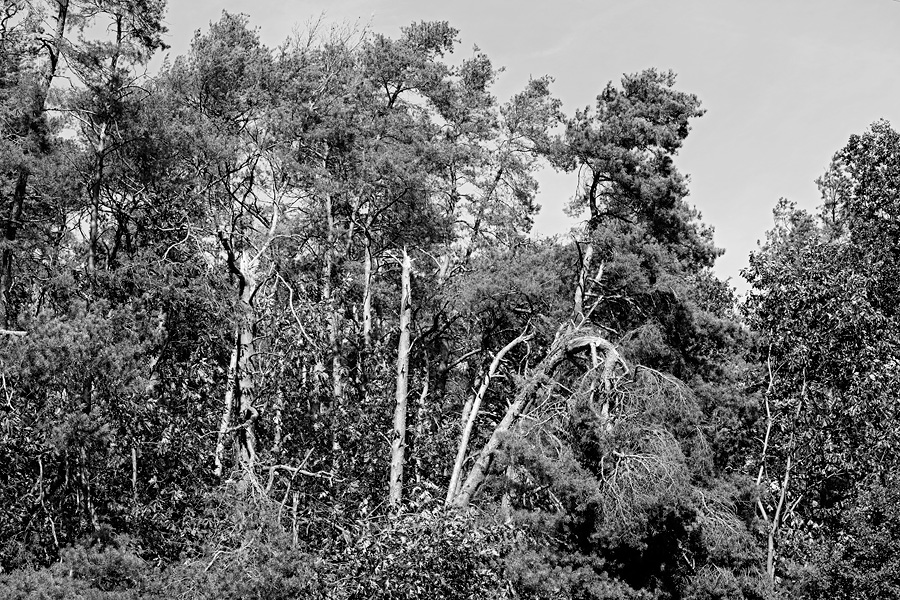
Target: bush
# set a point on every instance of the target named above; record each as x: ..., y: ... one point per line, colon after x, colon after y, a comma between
x: 427, y: 555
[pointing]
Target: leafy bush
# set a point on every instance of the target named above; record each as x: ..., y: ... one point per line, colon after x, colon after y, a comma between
x: 431, y: 554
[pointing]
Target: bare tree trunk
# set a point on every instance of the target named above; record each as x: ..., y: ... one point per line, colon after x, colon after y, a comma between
x: 581, y: 287
x: 775, y: 525
x: 486, y: 456
x: 239, y: 397
x: 228, y: 408
x: 96, y: 186
x: 420, y: 422
x: 606, y: 378
x: 295, y: 525
x: 239, y: 393
x: 506, y: 501
x: 329, y: 297
x: 565, y: 343
x: 134, y: 473
x: 278, y: 418
x: 368, y: 268
x: 334, y: 326
x: 84, y: 482
x: 775, y: 519
x: 472, y: 414
x: 246, y: 389
x: 363, y: 358
x: 398, y: 441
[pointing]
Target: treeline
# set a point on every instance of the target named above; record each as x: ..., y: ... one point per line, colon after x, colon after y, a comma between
x: 274, y: 326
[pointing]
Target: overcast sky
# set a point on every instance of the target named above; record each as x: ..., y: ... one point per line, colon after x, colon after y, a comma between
x: 784, y: 82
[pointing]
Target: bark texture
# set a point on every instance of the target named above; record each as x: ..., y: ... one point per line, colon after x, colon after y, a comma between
x: 398, y: 440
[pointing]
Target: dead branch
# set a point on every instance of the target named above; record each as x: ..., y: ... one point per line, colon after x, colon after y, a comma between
x: 567, y: 341
x: 473, y: 414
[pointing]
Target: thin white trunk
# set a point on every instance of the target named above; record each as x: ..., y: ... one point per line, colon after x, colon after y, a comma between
x: 581, y: 287
x: 471, y: 415
x: 246, y: 433
x: 240, y: 388
x: 563, y: 344
x: 420, y: 422
x: 775, y: 519
x: 775, y: 525
x: 367, y: 298
x: 295, y: 524
x: 398, y: 441
x: 225, y: 421
x: 96, y: 185
x: 506, y: 507
x: 278, y: 419
x: 334, y: 327
x: 134, y: 473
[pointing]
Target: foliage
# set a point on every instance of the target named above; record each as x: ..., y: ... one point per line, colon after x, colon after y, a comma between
x: 200, y: 360
x: 622, y: 514
x: 823, y: 302
x: 425, y: 555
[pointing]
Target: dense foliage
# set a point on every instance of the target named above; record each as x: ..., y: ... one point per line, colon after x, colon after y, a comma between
x: 825, y: 299
x: 273, y: 325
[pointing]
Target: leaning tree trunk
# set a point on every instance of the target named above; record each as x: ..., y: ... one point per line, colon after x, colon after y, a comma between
x: 566, y: 343
x: 479, y: 470
x: 398, y: 440
x: 471, y: 414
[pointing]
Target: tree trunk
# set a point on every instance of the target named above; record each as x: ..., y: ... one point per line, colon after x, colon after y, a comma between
x: 565, y: 343
x: 421, y: 408
x: 775, y: 525
x: 96, y: 186
x: 228, y: 408
x: 578, y: 316
x: 775, y: 519
x: 134, y: 473
x: 368, y: 268
x: 278, y: 416
x: 471, y: 414
x: 246, y: 432
x: 90, y: 510
x: 239, y: 393
x: 334, y: 327
x: 479, y: 470
x: 398, y: 441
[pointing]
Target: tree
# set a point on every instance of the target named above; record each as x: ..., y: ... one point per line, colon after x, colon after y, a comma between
x: 823, y: 300
x: 25, y: 96
x: 307, y: 327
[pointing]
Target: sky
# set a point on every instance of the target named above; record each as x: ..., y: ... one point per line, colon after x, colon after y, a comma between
x: 784, y: 82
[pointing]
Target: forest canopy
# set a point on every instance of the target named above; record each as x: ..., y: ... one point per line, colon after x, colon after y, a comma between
x: 273, y: 324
